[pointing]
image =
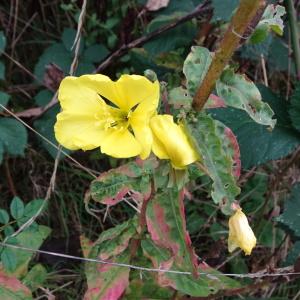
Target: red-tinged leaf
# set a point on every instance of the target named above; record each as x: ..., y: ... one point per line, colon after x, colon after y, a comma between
x: 214, y: 101
x: 12, y: 289
x: 111, y: 187
x: 86, y: 245
x: 236, y: 155
x: 106, y: 282
x: 202, y: 286
x: 167, y: 226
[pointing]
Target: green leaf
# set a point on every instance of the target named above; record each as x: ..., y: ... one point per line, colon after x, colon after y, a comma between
x: 4, y: 217
x: 195, y: 67
x: 273, y: 18
x: 265, y: 235
x: 12, y: 289
x: 180, y: 36
x: 17, y: 208
x: 36, y: 277
x: 239, y: 92
x: 294, y: 109
x: 2, y: 42
x: 68, y: 38
x: 13, y: 137
x: 43, y: 97
x: 290, y: 216
x: 8, y: 259
x: 204, y: 132
x: 179, y: 98
x: 293, y: 254
x: 112, y: 186
x: 29, y: 239
x: 32, y: 207
x: 2, y: 70
x: 95, y: 53
x: 252, y: 197
x: 4, y: 98
x: 223, y: 10
x: 258, y: 144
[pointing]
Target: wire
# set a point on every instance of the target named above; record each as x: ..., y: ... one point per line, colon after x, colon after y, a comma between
x: 99, y: 261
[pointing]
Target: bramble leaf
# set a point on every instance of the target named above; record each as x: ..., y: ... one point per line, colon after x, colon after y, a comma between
x: 290, y: 215
x: 209, y: 143
x: 195, y: 67
x: 239, y: 92
x: 4, y: 98
x: 31, y: 238
x: 13, y: 137
x: 294, y: 110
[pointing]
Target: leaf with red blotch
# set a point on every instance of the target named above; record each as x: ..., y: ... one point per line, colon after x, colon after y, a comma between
x: 167, y: 227
x: 214, y: 101
x: 231, y: 147
x: 12, y: 289
x: 105, y: 281
x: 202, y: 286
x: 111, y: 187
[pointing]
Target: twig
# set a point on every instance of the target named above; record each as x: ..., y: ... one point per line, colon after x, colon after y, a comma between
x: 294, y: 33
x: 236, y: 31
x: 142, y: 40
x: 9, y: 178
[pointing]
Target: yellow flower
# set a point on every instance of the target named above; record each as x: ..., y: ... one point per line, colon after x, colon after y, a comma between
x: 240, y: 233
x: 171, y: 142
x: 113, y: 115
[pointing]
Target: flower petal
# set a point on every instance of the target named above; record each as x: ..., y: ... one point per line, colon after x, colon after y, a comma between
x: 240, y: 233
x: 171, y: 141
x: 83, y: 92
x: 120, y: 144
x: 134, y: 89
x: 78, y: 131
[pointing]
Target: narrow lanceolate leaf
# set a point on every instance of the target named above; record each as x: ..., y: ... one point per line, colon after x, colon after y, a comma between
x: 12, y: 289
x: 195, y: 67
x: 105, y: 281
x: 202, y: 286
x: 239, y: 92
x: 211, y: 145
x: 166, y: 223
x: 110, y: 187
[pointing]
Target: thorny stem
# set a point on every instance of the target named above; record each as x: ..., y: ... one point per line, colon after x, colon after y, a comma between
x: 239, y: 26
x: 291, y: 12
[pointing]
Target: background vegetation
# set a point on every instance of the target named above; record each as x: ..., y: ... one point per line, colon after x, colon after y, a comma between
x: 36, y: 41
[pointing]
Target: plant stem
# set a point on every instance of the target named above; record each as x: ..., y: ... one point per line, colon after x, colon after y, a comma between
x: 291, y: 12
x: 239, y: 26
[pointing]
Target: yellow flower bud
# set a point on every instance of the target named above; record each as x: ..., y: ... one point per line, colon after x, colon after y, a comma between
x: 240, y: 233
